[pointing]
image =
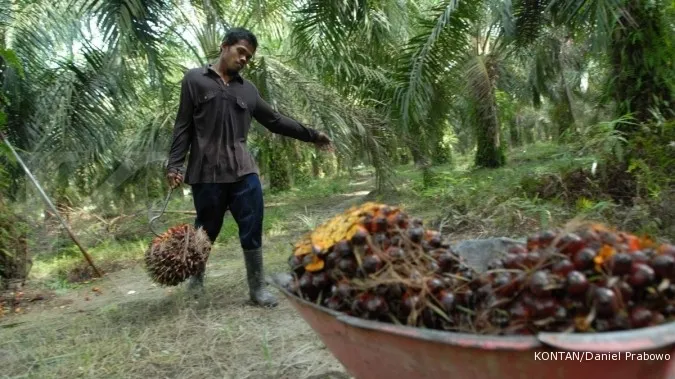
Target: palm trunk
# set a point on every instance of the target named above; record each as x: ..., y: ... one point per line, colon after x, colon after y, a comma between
x: 565, y: 117
x: 515, y: 133
x: 279, y: 166
x: 489, y: 151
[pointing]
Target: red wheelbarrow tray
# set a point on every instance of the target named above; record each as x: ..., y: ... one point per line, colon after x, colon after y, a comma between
x: 370, y: 349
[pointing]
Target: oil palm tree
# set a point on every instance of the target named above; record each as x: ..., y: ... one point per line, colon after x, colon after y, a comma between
x: 635, y: 38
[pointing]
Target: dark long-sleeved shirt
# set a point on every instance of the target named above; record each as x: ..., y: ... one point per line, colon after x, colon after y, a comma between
x: 213, y: 123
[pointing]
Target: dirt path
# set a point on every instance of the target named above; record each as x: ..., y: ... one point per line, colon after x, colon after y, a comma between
x: 125, y: 326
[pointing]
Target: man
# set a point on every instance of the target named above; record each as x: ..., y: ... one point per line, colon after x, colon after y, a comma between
x: 213, y: 121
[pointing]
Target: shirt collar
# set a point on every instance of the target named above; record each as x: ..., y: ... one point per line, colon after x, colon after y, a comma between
x: 209, y: 67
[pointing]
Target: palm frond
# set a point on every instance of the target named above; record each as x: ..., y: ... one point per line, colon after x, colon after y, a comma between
x: 132, y: 27
x: 350, y: 42
x: 531, y: 17
x: 598, y: 16
x: 268, y: 18
x: 440, y: 45
x: 76, y: 114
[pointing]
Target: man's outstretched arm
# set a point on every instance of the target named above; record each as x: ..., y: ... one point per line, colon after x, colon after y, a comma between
x: 182, y: 135
x: 280, y: 124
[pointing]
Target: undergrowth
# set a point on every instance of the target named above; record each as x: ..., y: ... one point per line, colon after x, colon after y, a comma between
x: 543, y: 185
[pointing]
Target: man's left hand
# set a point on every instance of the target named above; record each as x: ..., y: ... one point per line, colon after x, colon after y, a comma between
x: 323, y: 142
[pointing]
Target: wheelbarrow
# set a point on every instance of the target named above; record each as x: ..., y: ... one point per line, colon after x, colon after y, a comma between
x: 370, y: 349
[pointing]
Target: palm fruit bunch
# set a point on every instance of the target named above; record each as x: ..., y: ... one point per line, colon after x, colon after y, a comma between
x: 177, y: 254
x: 375, y: 262
x: 590, y: 278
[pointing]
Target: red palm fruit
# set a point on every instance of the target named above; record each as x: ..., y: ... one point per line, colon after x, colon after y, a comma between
x: 532, y: 242
x: 371, y: 264
x: 606, y: 302
x: 331, y: 260
x: 435, y: 284
x: 640, y: 317
x: 360, y: 237
x: 514, y: 261
x: 347, y: 266
x: 401, y: 221
x: 641, y: 275
x: 621, y: 263
x: 640, y: 257
x: 342, y: 290
x: 359, y: 303
x: 376, y: 305
x: 333, y: 303
x: 546, y: 238
x: 379, y: 224
x: 532, y: 259
x: 505, y: 284
x: 570, y: 244
x: 395, y: 253
x: 545, y: 307
x: 447, y: 261
x: 664, y: 266
x: 447, y: 301
x: 416, y: 234
x: 539, y: 282
x: 577, y: 284
x: 320, y: 280
x: 520, y: 311
x: 342, y: 248
x: 562, y: 267
x: 584, y: 259
x: 307, y: 285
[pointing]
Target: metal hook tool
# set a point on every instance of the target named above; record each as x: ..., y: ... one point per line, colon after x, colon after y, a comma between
x: 166, y: 202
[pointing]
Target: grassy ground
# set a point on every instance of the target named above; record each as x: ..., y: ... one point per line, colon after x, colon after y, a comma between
x: 123, y: 326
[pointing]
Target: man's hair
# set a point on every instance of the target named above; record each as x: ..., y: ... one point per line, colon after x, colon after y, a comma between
x: 235, y: 35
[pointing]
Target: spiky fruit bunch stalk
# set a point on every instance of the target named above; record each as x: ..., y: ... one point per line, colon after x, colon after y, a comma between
x: 177, y: 254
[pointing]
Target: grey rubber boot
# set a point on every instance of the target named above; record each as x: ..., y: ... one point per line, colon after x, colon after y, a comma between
x: 256, y: 281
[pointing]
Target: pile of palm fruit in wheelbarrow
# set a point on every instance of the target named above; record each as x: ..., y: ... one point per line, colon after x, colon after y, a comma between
x: 376, y: 262
x: 392, y: 298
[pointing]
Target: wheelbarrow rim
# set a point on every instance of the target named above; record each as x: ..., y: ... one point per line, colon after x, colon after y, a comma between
x: 649, y: 338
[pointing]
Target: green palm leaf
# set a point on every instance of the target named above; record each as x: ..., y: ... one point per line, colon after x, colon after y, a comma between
x: 440, y: 44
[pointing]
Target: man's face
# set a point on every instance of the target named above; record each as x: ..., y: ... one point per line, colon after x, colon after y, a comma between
x: 237, y: 56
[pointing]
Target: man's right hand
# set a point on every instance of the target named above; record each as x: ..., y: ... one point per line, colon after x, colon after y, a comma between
x: 175, y: 179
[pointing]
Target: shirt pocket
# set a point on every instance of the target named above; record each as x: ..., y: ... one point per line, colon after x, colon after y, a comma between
x: 206, y: 97
x: 242, y: 118
x: 206, y: 107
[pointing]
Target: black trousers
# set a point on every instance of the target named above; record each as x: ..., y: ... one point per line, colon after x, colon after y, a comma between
x: 244, y: 199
